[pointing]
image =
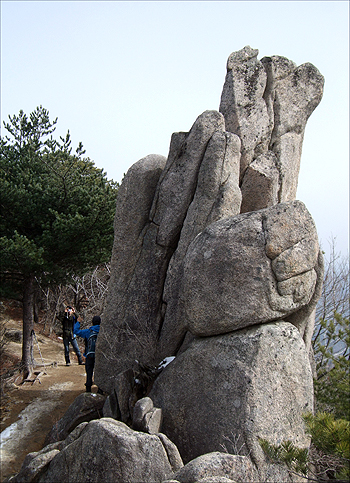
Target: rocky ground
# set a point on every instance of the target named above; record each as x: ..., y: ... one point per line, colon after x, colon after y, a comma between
x: 29, y: 410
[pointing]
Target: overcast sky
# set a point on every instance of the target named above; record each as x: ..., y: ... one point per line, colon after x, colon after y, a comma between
x: 123, y: 76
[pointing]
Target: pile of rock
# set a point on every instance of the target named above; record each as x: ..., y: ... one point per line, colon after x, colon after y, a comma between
x: 215, y: 264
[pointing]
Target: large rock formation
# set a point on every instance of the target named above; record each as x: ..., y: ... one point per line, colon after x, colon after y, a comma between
x: 215, y: 264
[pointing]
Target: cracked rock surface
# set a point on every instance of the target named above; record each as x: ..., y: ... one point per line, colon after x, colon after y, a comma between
x: 161, y: 207
x: 230, y: 281
x: 267, y: 104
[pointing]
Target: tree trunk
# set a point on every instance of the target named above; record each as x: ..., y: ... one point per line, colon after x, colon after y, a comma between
x: 28, y: 326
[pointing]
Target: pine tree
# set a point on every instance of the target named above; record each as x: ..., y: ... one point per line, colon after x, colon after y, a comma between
x: 331, y: 339
x: 57, y: 212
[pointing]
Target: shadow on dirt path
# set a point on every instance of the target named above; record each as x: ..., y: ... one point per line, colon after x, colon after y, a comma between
x: 29, y: 410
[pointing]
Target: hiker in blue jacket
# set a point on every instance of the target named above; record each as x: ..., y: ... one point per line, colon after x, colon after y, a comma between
x: 90, y: 336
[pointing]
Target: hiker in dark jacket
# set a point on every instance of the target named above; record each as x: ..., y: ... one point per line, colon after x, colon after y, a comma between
x: 89, y: 353
x: 68, y: 318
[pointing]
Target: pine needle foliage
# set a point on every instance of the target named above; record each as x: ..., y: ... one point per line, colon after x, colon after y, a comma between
x: 329, y: 434
x: 332, y: 384
x: 331, y: 439
x: 295, y: 458
x: 331, y: 338
x: 57, y: 207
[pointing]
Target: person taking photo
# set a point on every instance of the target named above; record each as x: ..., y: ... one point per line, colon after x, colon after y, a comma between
x: 68, y: 318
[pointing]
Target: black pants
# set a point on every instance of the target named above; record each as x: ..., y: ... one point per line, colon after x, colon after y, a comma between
x: 89, y: 367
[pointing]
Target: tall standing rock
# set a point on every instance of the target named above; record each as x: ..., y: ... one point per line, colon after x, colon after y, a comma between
x: 267, y: 103
x: 294, y: 92
x: 221, y: 268
x: 243, y: 105
x: 131, y: 227
x: 178, y: 182
x: 217, y: 196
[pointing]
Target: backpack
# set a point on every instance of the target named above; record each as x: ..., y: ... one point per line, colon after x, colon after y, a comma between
x: 91, y: 345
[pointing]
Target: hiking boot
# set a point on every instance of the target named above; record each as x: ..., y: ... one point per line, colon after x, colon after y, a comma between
x: 67, y: 363
x: 81, y: 363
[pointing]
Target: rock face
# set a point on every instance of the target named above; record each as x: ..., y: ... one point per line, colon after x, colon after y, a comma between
x: 216, y: 263
x: 135, y: 257
x: 257, y: 381
x: 198, y: 185
x: 217, y: 196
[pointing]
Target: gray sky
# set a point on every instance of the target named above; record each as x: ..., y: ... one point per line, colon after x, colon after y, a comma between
x: 123, y: 76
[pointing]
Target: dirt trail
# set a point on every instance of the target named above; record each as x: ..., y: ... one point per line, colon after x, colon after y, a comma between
x: 30, y: 410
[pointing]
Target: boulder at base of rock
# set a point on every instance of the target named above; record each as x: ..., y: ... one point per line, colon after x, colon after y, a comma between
x: 235, y: 468
x: 108, y: 450
x: 35, y: 464
x: 146, y: 418
x: 255, y: 382
x: 85, y: 407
